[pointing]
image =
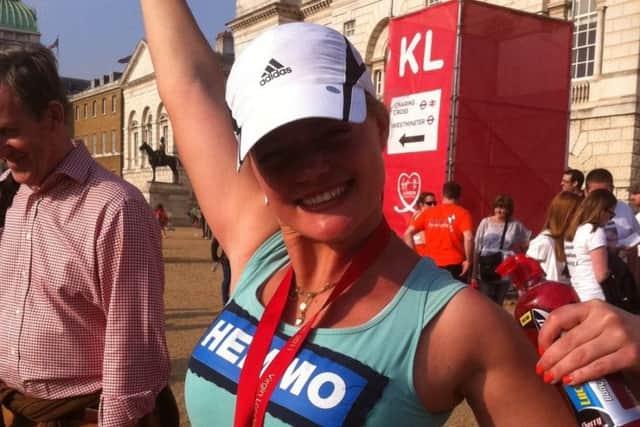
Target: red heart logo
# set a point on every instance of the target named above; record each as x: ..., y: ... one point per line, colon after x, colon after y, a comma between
x: 408, y: 186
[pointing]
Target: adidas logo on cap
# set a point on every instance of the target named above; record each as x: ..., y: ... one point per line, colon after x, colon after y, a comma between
x: 273, y: 70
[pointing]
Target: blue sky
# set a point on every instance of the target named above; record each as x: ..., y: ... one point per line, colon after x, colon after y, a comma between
x: 94, y: 34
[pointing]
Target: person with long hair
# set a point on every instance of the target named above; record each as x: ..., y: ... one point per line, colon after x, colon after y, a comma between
x: 586, y: 244
x: 497, y: 237
x: 548, y: 247
x: 332, y: 319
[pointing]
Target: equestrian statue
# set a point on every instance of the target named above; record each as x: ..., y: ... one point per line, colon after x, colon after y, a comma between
x: 159, y: 157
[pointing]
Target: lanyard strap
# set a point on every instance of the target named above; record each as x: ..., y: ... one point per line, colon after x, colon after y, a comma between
x: 254, y: 389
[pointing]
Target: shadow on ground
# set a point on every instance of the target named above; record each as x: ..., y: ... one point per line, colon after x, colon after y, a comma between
x: 188, y: 313
x: 179, y: 369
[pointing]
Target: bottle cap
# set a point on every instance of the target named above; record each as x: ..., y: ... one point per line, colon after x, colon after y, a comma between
x: 524, y: 271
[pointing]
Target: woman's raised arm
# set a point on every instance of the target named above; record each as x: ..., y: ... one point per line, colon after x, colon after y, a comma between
x: 191, y: 85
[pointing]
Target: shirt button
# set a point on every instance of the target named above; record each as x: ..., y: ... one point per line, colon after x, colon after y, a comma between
x: 17, y: 311
x: 24, y: 274
x: 28, y: 236
x: 13, y: 352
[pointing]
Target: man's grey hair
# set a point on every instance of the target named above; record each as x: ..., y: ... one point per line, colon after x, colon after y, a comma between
x: 31, y: 71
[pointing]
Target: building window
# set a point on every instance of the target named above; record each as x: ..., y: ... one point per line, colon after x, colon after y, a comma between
x: 77, y: 113
x: 94, y: 107
x: 104, y: 105
x: 94, y: 144
x: 378, y: 82
x: 349, y: 28
x: 104, y: 142
x: 113, y: 104
x: 585, y: 24
x: 113, y: 142
x: 84, y: 111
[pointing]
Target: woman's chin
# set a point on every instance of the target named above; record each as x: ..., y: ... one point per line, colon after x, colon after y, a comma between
x: 333, y: 229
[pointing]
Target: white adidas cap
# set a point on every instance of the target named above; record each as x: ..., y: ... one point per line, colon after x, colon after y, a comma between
x: 292, y: 72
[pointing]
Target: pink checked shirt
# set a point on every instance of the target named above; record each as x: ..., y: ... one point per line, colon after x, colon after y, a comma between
x: 81, y: 284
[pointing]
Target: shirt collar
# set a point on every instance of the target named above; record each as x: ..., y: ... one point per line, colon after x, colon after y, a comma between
x: 76, y: 165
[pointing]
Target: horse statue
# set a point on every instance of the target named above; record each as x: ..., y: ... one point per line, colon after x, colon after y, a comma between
x: 161, y: 158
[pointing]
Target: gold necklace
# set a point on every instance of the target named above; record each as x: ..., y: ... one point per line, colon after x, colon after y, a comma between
x: 307, y: 297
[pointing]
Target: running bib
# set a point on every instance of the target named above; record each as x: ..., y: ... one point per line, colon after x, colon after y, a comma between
x: 319, y: 388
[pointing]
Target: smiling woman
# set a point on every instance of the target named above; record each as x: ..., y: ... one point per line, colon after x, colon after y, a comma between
x: 351, y: 326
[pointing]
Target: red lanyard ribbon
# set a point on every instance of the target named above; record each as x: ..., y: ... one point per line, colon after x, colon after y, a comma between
x: 254, y: 390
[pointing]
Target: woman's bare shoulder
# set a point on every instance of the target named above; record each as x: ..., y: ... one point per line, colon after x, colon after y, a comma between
x: 474, y: 350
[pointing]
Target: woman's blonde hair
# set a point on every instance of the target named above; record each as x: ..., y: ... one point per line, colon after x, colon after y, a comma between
x: 559, y: 214
x: 591, y: 210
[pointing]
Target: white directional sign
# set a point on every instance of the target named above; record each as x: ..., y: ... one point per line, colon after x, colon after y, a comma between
x: 414, y: 122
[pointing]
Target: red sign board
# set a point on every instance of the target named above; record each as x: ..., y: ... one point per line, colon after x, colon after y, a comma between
x: 478, y: 94
x: 418, y: 91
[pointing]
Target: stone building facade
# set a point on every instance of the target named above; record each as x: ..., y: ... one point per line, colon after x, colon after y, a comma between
x: 605, y: 98
x: 145, y: 120
x: 97, y: 120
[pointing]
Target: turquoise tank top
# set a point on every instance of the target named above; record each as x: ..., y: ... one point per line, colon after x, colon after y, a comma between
x: 355, y: 376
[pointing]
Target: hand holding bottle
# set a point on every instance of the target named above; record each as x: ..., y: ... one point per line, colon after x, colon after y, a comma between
x: 585, y: 341
x: 584, y: 345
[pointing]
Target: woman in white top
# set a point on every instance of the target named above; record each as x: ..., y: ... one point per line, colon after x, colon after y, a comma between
x: 586, y: 244
x: 548, y: 247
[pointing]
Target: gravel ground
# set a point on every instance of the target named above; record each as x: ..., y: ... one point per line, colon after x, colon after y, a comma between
x: 192, y: 299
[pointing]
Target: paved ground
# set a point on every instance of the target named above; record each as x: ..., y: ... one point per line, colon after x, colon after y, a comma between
x: 192, y: 299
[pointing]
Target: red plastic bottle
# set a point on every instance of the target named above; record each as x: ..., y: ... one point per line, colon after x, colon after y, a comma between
x: 603, y: 402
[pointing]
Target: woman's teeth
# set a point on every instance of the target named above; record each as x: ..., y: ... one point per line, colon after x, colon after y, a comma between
x: 323, y: 197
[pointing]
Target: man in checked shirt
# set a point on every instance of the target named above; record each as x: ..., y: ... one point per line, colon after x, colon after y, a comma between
x: 81, y: 311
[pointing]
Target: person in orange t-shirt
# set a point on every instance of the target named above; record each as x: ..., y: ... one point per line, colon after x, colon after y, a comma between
x: 426, y: 200
x: 448, y: 233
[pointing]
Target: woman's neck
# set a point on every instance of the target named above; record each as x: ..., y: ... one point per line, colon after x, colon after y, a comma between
x: 499, y: 219
x: 317, y: 264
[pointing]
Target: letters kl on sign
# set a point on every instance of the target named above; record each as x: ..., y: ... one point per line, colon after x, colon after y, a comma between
x: 418, y: 89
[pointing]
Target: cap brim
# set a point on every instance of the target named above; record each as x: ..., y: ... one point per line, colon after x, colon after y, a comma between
x: 286, y: 104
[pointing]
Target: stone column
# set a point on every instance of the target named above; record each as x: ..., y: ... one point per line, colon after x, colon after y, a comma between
x: 601, y: 9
